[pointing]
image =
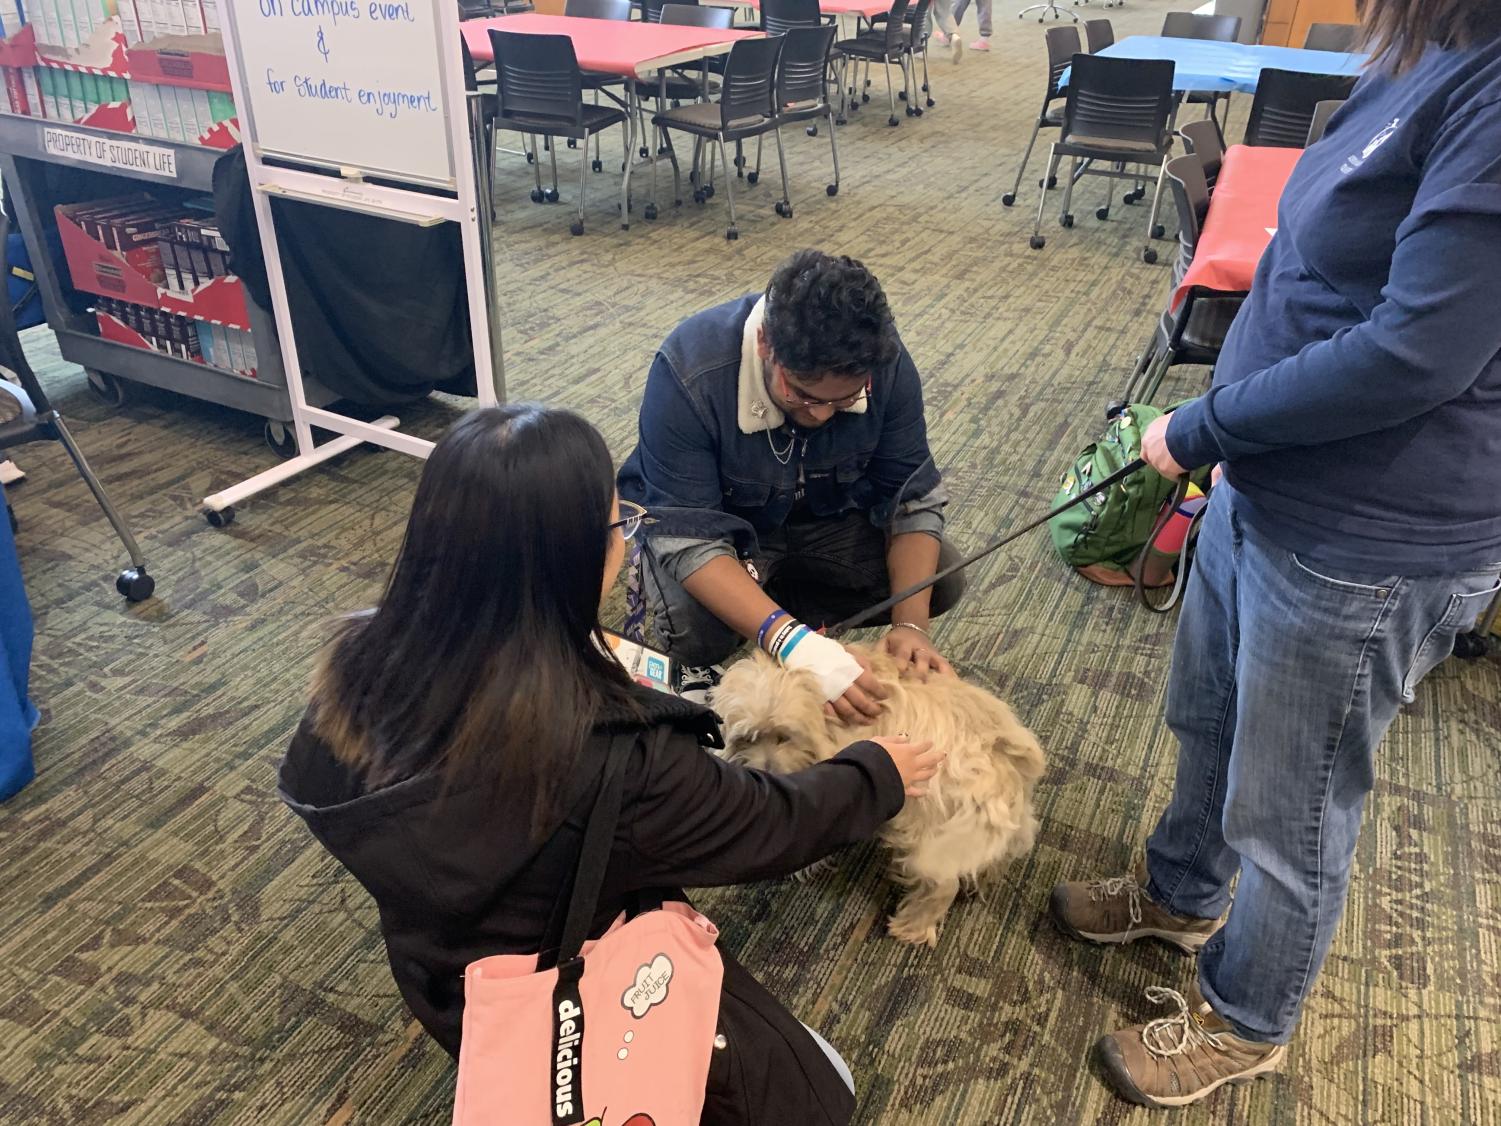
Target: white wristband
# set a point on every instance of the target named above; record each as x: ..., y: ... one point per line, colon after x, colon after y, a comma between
x: 827, y: 660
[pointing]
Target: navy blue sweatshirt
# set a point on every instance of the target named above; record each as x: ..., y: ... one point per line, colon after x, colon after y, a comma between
x: 1357, y: 401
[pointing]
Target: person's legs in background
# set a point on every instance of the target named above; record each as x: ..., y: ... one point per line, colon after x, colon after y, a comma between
x: 983, y: 9
x: 946, y: 28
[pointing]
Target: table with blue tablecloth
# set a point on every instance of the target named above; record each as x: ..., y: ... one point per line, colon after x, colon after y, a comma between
x: 1207, y: 66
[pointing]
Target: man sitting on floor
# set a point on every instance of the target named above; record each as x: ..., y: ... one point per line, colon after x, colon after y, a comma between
x: 784, y: 455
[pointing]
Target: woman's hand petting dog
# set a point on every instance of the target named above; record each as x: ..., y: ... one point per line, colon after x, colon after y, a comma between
x: 861, y: 701
x: 914, y: 652
x: 916, y: 762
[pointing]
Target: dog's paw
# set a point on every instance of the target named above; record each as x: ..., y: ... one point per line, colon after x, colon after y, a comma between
x: 917, y: 933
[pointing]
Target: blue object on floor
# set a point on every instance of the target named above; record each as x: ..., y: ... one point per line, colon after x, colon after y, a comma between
x: 1208, y: 66
x: 20, y: 282
x: 17, y: 713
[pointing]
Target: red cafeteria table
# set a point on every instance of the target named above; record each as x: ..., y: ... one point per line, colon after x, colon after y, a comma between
x: 629, y: 49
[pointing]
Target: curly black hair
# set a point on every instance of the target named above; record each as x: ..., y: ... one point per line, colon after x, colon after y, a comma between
x: 827, y: 316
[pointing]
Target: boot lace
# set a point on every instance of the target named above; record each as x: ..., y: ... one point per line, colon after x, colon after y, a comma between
x: 1174, y: 1035
x: 1115, y: 887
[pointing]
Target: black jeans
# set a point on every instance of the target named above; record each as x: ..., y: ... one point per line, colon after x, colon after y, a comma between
x: 821, y: 572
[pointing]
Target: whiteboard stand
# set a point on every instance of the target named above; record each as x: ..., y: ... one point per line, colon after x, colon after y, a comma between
x: 336, y: 184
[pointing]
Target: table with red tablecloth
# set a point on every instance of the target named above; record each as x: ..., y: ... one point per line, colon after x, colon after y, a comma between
x: 1241, y: 222
x: 629, y: 49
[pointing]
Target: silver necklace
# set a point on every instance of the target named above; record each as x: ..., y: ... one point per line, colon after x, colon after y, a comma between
x: 782, y: 456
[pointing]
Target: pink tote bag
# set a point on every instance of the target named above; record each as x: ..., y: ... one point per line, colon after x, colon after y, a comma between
x: 615, y: 1032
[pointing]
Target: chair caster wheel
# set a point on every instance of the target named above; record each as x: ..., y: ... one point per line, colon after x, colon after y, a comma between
x: 597, y: 165
x: 784, y: 209
x: 812, y: 130
x: 1008, y: 199
x: 530, y: 159
x: 909, y: 111
x: 1049, y: 184
x: 893, y: 120
x: 1066, y: 221
x: 864, y: 98
x: 135, y: 584
x: 918, y: 112
x: 537, y: 195
x: 1149, y: 257
x: 732, y: 233
x: 931, y: 103
x: 220, y: 518
x: 1471, y: 646
x: 576, y: 227
x: 1037, y: 242
x: 644, y: 151
x: 698, y: 195
x: 901, y: 95
x: 753, y: 178
x: 832, y: 189
x: 1133, y: 196
x: 650, y: 211
x: 841, y: 121
x: 708, y: 191
x: 1102, y: 214
x: 573, y: 142
x: 551, y: 195
x: 1159, y: 231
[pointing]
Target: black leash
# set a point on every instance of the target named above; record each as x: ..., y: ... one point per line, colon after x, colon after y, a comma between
x: 901, y: 596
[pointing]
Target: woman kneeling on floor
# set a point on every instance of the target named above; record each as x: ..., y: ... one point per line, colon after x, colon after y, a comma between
x: 456, y: 736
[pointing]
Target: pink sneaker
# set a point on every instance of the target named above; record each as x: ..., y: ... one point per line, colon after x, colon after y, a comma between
x: 939, y: 37
x: 980, y: 45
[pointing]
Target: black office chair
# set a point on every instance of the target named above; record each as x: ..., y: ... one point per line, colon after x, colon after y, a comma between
x: 1340, y: 37
x: 1099, y: 34
x: 1116, y: 114
x: 1202, y: 139
x: 1063, y: 45
x: 802, y: 93
x: 1190, y: 25
x: 32, y: 418
x: 1320, y: 123
x: 781, y: 16
x: 887, y: 44
x: 651, y: 10
x: 682, y: 83
x: 1282, y: 113
x: 917, y: 44
x: 542, y: 94
x: 489, y: 107
x: 745, y: 109
x: 1195, y: 332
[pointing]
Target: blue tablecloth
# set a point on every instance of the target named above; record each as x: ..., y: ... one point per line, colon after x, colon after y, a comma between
x: 17, y: 714
x: 1203, y: 65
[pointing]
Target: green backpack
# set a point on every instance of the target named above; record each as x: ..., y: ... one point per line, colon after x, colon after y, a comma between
x: 1112, y: 528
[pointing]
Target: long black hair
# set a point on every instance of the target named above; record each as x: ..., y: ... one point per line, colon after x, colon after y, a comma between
x: 484, y: 660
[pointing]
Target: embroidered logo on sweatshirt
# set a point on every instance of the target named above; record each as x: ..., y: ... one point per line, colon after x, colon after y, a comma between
x: 1354, y: 162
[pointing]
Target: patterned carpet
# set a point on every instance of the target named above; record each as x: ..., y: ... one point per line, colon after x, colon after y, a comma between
x: 177, y: 951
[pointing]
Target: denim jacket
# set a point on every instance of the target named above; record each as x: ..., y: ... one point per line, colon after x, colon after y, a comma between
x: 714, y: 477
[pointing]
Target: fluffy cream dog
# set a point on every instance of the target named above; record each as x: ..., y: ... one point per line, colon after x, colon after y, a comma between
x: 977, y: 813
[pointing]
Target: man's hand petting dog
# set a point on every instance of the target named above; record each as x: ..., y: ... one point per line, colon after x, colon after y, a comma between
x: 914, y: 653
x: 861, y: 701
x: 916, y: 762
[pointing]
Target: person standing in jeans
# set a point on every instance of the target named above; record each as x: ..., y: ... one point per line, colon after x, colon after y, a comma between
x: 1356, y: 411
x: 983, y: 11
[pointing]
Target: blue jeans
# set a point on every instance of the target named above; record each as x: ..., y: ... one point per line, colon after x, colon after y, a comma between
x: 1284, y: 681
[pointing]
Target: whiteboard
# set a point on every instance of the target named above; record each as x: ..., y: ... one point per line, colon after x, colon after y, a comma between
x: 358, y: 84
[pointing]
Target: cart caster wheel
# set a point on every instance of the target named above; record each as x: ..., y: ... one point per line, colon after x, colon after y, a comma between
x: 650, y: 211
x: 135, y: 584
x: 753, y: 178
x: 864, y: 98
x: 812, y: 130
x: 1008, y: 199
x: 281, y: 438
x: 1066, y: 221
x: 1159, y: 231
x: 220, y: 518
x: 597, y: 165
x: 576, y: 228
x: 108, y: 389
x: 1149, y: 257
x: 784, y: 209
x: 1471, y: 646
x: 538, y: 195
x: 732, y: 233
x: 832, y: 189
x: 893, y: 120
x: 551, y: 195
x: 1037, y: 242
x: 1102, y: 213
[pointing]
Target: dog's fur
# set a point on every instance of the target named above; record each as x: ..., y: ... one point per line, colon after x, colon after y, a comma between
x: 977, y: 813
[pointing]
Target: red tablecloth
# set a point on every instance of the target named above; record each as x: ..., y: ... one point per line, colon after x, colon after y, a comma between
x: 629, y: 49
x: 1241, y: 221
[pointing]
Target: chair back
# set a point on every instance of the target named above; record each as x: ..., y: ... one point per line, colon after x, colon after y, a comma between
x: 537, y: 76
x: 1190, y: 25
x: 1185, y: 177
x: 1331, y: 37
x: 1202, y: 139
x: 598, y: 9
x: 895, y: 27
x: 746, y: 90
x: 1120, y: 100
x: 1099, y: 34
x: 471, y: 80
x: 1063, y: 45
x: 919, y: 25
x: 475, y: 9
x: 803, y: 67
x: 696, y: 15
x: 780, y: 16
x: 1282, y: 112
x: 1320, y: 123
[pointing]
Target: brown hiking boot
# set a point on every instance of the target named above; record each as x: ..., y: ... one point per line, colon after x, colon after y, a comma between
x: 1118, y: 910
x: 1177, y: 1060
